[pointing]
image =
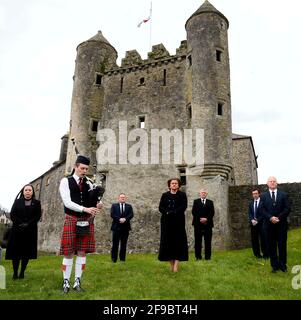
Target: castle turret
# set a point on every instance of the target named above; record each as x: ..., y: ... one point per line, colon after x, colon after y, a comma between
x: 208, y: 69
x: 94, y: 57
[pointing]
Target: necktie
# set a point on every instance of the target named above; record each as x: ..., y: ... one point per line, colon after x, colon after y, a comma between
x: 255, y: 209
x: 80, y: 184
x: 122, y: 209
x: 273, y: 196
x: 203, y: 201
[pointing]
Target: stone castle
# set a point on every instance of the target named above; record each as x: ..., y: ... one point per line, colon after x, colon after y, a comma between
x: 190, y: 89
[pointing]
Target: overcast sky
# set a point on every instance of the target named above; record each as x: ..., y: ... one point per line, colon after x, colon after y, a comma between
x: 38, y: 49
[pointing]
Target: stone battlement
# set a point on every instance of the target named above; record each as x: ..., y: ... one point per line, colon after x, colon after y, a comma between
x: 158, y: 56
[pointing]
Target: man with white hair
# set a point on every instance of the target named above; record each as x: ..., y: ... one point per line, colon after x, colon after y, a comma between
x: 203, y: 212
x: 276, y: 208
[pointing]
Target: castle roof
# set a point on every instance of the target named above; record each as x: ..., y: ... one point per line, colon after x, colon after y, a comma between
x: 207, y: 7
x: 98, y: 38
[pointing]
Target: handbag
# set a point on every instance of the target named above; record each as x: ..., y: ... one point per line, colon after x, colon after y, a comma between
x: 82, y: 228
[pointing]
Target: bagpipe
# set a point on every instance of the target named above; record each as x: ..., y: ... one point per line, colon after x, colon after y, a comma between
x: 95, y: 191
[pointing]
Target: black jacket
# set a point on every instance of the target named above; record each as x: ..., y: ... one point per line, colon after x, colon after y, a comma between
x: 202, y: 211
x: 116, y: 215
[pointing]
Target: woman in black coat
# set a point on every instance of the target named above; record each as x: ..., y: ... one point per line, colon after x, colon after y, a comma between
x: 22, y: 243
x: 173, y: 242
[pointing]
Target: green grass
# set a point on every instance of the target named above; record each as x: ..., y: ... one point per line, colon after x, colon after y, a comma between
x: 229, y: 275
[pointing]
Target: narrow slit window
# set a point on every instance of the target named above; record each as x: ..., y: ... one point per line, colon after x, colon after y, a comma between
x: 94, y: 126
x: 121, y: 85
x: 164, y: 77
x: 189, y: 61
x: 142, y: 81
x: 182, y: 172
x: 142, y: 122
x: 189, y: 111
x: 218, y: 55
x: 98, y: 79
x: 220, y: 109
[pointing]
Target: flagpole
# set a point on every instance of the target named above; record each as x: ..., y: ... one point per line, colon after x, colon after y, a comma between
x: 150, y: 27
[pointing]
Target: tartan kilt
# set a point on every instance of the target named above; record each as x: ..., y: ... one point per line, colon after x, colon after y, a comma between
x: 72, y: 243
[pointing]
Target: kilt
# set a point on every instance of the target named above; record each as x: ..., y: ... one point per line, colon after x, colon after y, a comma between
x: 72, y: 243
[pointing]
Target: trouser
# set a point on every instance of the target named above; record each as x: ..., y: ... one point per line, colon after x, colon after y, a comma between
x: 258, y: 239
x: 199, y: 234
x: 119, y: 236
x: 277, y: 244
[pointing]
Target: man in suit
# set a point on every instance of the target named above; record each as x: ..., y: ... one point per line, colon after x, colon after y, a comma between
x: 121, y: 214
x: 258, y: 234
x: 203, y: 212
x: 276, y: 208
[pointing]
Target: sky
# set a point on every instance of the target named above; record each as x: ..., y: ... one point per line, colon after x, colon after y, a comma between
x: 38, y: 40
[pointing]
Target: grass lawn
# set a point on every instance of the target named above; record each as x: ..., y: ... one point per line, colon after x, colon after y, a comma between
x: 230, y: 275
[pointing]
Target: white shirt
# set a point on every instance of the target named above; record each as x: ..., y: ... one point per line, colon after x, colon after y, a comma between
x: 120, y: 205
x: 275, y: 191
x: 65, y: 195
x: 203, y: 200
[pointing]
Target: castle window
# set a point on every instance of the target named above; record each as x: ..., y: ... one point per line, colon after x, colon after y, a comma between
x: 47, y: 181
x: 164, y: 77
x: 37, y: 187
x: 182, y: 172
x: 121, y: 85
x: 142, y: 81
x: 94, y: 125
x: 98, y: 79
x: 189, y: 110
x: 220, y: 109
x: 142, y: 122
x: 189, y: 61
x: 218, y: 55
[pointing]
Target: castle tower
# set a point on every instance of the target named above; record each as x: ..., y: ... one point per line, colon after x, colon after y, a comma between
x: 94, y: 57
x: 209, y: 71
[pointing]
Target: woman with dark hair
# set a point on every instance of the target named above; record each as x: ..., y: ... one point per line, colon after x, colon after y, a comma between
x: 22, y: 243
x: 173, y: 241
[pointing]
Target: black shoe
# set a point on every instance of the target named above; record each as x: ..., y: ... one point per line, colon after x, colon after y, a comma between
x: 21, y: 275
x: 283, y: 269
x: 207, y: 258
x: 77, y: 287
x: 266, y: 257
x: 15, y: 276
x: 259, y: 256
x: 66, y: 286
x: 274, y: 270
x: 198, y: 258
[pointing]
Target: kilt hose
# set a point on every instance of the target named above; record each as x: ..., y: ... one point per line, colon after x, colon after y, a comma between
x: 72, y: 243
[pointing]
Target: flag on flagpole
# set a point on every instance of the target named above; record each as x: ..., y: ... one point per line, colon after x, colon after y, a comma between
x: 147, y: 19
x: 143, y: 21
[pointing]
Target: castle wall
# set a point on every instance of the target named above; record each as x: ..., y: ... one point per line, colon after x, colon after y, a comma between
x: 244, y: 162
x: 163, y: 105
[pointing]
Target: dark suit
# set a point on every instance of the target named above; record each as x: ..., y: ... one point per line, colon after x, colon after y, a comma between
x: 277, y: 233
x: 258, y: 234
x: 120, y: 230
x: 200, y: 229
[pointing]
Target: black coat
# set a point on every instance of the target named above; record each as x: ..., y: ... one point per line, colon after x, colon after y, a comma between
x: 173, y: 240
x: 202, y: 211
x: 280, y: 208
x: 116, y: 215
x: 22, y: 242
